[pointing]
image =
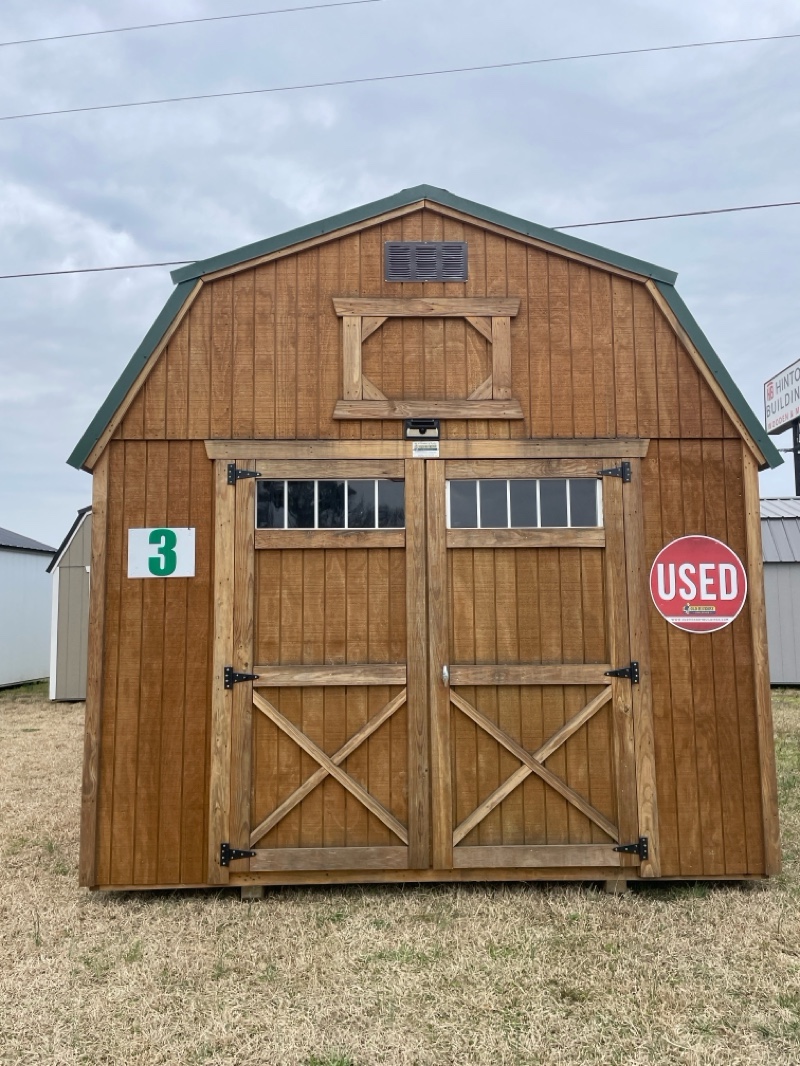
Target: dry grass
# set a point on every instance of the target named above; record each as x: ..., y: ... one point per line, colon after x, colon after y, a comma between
x: 355, y: 977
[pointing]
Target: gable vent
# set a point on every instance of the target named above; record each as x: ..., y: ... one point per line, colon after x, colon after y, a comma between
x: 426, y: 261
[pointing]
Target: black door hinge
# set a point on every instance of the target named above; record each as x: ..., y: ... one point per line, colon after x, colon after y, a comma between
x: 227, y: 853
x: 235, y: 474
x: 631, y: 672
x: 623, y: 471
x: 640, y: 848
x: 231, y: 677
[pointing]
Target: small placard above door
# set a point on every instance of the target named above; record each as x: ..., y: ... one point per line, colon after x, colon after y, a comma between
x: 163, y: 551
x: 425, y: 449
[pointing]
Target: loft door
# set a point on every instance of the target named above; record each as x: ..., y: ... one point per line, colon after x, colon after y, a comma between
x: 532, y: 741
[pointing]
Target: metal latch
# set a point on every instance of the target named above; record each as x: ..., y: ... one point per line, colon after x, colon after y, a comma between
x: 640, y: 848
x: 622, y: 471
x: 631, y: 672
x: 235, y: 474
x: 227, y: 854
x: 231, y: 677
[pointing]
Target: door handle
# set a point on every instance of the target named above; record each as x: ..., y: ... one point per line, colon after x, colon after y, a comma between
x: 445, y: 675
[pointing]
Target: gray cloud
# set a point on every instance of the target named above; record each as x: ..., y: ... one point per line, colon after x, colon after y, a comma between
x: 558, y: 144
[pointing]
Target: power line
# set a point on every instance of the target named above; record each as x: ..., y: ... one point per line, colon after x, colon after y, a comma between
x: 680, y: 214
x: 576, y: 225
x: 98, y: 270
x: 187, y: 22
x: 400, y: 77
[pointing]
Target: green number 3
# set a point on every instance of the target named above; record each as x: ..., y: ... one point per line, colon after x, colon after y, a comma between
x: 163, y: 564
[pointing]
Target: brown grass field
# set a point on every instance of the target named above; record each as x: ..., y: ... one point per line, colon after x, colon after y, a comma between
x: 483, y: 974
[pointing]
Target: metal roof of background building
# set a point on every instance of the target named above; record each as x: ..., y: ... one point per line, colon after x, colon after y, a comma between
x: 16, y: 542
x: 780, y: 529
x: 780, y: 507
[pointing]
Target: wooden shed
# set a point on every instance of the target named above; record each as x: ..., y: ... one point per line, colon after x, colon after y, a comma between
x: 375, y: 505
x: 70, y: 568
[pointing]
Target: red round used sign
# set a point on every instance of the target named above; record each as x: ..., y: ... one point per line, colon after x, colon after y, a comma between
x: 698, y: 584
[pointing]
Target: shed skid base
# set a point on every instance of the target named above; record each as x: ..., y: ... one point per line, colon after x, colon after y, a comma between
x: 348, y: 877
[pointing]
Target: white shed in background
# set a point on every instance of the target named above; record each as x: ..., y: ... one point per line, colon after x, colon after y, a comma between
x: 24, y: 609
x: 780, y: 535
x: 69, y: 635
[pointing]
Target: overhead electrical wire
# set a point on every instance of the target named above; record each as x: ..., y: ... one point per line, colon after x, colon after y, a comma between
x: 679, y: 214
x: 613, y: 222
x: 399, y: 77
x: 187, y: 22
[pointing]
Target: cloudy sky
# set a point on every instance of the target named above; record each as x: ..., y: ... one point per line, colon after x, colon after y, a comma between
x: 562, y: 143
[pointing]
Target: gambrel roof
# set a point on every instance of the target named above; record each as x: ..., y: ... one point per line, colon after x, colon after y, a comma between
x: 188, y: 278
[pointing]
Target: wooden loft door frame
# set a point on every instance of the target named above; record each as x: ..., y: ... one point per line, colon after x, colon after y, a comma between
x: 272, y: 451
x: 490, y: 316
x: 222, y: 656
x: 229, y: 784
x: 626, y: 594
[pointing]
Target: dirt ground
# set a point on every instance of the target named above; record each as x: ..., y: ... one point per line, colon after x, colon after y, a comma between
x: 471, y: 975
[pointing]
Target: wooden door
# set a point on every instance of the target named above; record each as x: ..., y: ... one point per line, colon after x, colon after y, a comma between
x: 328, y: 744
x: 533, y: 744
x: 353, y: 748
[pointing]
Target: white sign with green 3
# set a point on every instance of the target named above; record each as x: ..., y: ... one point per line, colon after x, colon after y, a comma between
x: 161, y: 552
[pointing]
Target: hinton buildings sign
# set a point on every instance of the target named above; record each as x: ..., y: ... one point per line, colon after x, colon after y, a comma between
x: 782, y: 399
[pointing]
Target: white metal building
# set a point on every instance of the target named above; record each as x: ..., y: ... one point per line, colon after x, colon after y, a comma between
x: 780, y: 535
x: 24, y: 609
x: 69, y: 636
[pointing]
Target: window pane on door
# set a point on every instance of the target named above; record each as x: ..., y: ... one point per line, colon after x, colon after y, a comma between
x: 300, y: 504
x: 553, y: 496
x: 269, y: 505
x: 391, y: 504
x: 361, y: 504
x: 331, y: 504
x: 494, y: 504
x: 583, y: 503
x: 524, y: 511
x: 463, y: 504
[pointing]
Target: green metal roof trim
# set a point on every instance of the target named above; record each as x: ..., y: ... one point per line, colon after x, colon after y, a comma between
x: 186, y: 278
x: 715, y: 365
x: 151, y: 341
x: 404, y: 199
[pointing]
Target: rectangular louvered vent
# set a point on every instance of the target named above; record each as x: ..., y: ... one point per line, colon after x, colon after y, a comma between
x: 426, y: 260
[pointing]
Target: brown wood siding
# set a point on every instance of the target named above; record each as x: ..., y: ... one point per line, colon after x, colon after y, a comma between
x: 153, y: 761
x: 259, y: 353
x: 709, y: 794
x: 259, y: 356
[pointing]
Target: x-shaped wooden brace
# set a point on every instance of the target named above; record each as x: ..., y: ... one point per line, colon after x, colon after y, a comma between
x: 329, y: 764
x: 533, y: 764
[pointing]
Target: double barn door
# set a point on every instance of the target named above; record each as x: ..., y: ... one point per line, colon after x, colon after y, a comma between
x: 431, y: 641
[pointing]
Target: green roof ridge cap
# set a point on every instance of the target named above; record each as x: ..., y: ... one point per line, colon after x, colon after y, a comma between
x: 403, y: 199
x: 759, y: 434
x: 149, y: 343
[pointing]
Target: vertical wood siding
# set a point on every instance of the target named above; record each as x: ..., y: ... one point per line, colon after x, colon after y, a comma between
x: 259, y: 355
x: 153, y: 762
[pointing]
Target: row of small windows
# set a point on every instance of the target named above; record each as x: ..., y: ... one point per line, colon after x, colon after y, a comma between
x: 523, y: 503
x: 379, y: 503
x: 348, y: 504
